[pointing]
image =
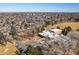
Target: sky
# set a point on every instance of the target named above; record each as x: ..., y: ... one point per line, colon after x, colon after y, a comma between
x: 39, y: 7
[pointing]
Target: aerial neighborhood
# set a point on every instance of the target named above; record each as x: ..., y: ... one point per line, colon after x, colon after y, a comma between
x: 39, y: 33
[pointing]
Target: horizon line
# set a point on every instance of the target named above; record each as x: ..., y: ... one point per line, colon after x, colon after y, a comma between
x: 34, y: 12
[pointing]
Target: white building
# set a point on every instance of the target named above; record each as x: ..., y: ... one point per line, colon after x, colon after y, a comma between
x: 51, y: 33
x: 56, y: 31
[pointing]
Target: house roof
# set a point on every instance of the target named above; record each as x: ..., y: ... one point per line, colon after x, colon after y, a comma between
x: 55, y: 30
x: 49, y: 33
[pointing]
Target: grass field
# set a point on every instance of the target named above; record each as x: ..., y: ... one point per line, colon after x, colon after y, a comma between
x: 9, y: 49
x: 73, y: 25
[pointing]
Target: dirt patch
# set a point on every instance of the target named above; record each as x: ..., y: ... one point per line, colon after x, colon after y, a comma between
x: 9, y: 49
x: 73, y: 25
